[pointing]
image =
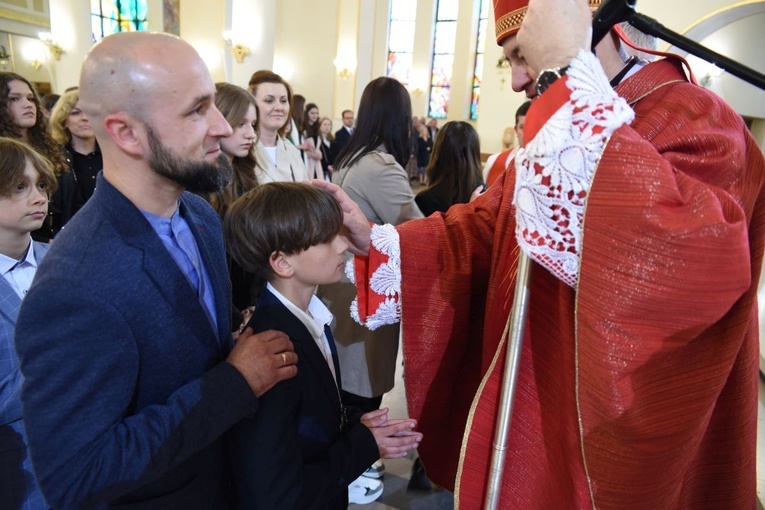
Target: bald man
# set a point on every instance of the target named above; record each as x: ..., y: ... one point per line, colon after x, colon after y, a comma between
x: 125, y: 345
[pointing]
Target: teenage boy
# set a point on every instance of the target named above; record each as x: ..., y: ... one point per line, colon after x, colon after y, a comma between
x: 303, y: 448
x: 26, y: 182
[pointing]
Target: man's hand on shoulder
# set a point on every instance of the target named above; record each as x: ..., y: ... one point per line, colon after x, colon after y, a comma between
x: 264, y: 359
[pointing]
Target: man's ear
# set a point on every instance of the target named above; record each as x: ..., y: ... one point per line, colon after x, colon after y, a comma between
x: 126, y: 133
x: 280, y: 264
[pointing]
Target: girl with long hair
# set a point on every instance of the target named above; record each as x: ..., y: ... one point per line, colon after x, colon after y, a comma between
x: 454, y: 171
x: 238, y: 108
x: 21, y: 117
x: 277, y: 158
x: 310, y: 146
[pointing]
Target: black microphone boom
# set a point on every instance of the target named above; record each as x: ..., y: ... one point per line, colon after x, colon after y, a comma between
x: 613, y: 12
x: 610, y: 13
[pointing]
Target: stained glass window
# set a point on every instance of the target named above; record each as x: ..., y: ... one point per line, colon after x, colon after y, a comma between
x: 443, y: 58
x: 403, y: 14
x: 109, y: 17
x: 480, y: 49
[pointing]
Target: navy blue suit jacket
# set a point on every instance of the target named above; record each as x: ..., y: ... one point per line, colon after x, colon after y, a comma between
x: 125, y: 391
x: 292, y: 453
x: 18, y: 487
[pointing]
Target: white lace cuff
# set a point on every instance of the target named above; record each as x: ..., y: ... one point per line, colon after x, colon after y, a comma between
x: 385, y: 281
x: 555, y: 170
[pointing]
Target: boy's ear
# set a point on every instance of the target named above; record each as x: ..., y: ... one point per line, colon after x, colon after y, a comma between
x: 280, y: 264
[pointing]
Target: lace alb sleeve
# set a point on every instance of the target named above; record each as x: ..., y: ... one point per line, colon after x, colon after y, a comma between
x: 385, y: 280
x: 556, y: 168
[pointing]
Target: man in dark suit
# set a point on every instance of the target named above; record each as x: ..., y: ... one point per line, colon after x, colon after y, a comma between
x: 343, y: 134
x: 130, y: 378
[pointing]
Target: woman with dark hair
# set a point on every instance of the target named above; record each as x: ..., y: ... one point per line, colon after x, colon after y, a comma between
x: 371, y: 171
x: 70, y: 127
x: 309, y: 127
x: 454, y: 171
x: 277, y: 158
x: 297, y: 108
x: 21, y: 117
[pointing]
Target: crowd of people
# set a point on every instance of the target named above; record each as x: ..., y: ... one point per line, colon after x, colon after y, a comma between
x: 187, y: 323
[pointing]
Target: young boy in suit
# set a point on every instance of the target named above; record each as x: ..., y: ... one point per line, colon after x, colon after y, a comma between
x: 303, y: 447
x: 26, y: 182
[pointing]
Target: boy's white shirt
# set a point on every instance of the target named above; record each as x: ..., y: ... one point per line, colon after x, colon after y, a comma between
x: 19, y: 274
x: 317, y: 317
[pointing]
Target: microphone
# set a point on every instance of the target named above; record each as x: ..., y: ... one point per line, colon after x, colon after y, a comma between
x: 610, y: 13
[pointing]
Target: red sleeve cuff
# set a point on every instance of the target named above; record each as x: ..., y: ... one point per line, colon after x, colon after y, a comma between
x: 557, y: 95
x: 364, y: 268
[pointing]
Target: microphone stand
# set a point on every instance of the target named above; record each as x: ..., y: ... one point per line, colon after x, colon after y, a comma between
x: 613, y: 12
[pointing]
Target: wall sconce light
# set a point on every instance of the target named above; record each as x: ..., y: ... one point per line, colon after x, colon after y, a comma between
x: 4, y: 57
x: 503, y: 63
x: 417, y: 91
x: 36, y: 64
x: 345, y: 65
x: 239, y: 50
x: 55, y: 49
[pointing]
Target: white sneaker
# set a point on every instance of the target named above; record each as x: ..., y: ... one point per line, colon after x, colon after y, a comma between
x: 376, y: 470
x: 364, y: 490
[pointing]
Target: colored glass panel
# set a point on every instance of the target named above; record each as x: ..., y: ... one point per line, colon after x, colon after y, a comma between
x: 439, y: 102
x: 401, y: 26
x: 110, y: 17
x: 478, y: 69
x: 446, y: 37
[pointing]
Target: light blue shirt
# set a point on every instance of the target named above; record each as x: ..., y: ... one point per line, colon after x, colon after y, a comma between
x: 177, y: 237
x: 19, y: 273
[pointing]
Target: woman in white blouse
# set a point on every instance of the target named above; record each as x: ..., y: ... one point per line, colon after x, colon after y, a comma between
x: 278, y: 159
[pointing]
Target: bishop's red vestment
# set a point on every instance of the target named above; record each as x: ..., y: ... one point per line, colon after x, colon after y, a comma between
x: 638, y: 380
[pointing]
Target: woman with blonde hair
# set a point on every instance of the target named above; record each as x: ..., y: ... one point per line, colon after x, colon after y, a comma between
x: 70, y: 127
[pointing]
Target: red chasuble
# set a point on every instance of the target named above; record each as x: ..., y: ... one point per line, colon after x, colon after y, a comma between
x: 638, y: 388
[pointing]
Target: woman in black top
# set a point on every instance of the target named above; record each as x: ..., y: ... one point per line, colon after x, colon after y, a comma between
x: 454, y: 171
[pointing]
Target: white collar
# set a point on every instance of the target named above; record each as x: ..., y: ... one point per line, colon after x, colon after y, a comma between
x: 317, y: 317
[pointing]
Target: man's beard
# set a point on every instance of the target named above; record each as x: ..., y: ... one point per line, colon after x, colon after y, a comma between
x: 195, y: 176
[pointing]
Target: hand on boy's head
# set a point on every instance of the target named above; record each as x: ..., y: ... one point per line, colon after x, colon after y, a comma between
x: 264, y: 359
x: 357, y: 230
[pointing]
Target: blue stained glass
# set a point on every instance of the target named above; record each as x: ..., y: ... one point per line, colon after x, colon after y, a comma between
x: 480, y: 48
x: 117, y: 16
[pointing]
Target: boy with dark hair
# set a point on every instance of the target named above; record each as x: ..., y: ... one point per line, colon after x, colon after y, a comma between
x: 26, y: 182
x: 303, y: 447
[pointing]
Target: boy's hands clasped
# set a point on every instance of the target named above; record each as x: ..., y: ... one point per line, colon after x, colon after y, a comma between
x: 394, y: 437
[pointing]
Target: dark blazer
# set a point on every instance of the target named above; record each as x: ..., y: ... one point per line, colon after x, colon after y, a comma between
x: 18, y: 488
x: 341, y: 139
x: 292, y: 453
x: 125, y: 391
